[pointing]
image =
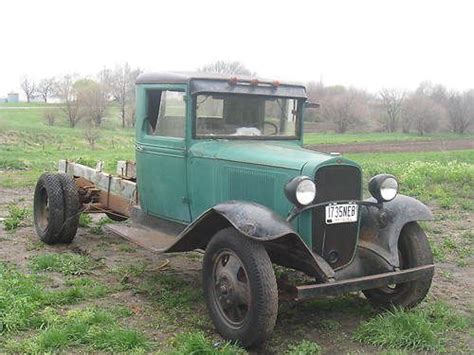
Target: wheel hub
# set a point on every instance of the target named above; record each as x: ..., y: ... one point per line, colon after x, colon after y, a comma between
x: 231, y: 289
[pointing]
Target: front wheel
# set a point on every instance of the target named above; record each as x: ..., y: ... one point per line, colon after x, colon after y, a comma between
x: 240, y: 288
x: 413, y: 250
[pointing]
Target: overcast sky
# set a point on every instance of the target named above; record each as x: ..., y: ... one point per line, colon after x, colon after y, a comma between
x: 368, y: 44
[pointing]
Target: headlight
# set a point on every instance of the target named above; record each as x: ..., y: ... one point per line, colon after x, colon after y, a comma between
x: 300, y: 190
x: 383, y: 187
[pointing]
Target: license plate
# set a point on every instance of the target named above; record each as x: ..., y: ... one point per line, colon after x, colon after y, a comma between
x: 341, y: 213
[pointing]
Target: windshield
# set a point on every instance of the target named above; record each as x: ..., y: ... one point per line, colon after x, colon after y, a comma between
x: 237, y: 115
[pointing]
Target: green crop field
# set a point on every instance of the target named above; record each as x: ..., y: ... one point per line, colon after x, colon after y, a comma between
x: 104, y: 295
x: 373, y: 137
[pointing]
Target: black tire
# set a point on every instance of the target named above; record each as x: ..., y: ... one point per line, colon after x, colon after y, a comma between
x: 414, y: 250
x: 72, y: 208
x: 48, y: 208
x: 254, y: 321
x: 115, y: 217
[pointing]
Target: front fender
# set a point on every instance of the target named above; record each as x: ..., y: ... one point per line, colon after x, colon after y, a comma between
x: 283, y: 244
x: 380, y: 229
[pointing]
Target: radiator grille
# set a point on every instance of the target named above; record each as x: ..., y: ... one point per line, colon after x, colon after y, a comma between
x: 336, y: 243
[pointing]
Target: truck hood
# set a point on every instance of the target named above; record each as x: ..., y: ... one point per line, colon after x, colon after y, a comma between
x: 288, y: 155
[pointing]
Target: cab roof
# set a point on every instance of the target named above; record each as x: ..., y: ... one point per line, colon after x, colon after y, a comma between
x: 203, y: 82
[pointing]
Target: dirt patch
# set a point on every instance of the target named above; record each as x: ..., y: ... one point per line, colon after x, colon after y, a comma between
x: 405, y: 146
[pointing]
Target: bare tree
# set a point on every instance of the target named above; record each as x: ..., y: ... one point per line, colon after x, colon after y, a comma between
x: 122, y: 87
x: 346, y: 108
x: 392, y: 103
x: 316, y: 93
x: 67, y: 93
x: 224, y: 67
x: 29, y: 88
x: 460, y: 109
x: 46, y: 88
x: 423, y: 113
x: 91, y: 133
x: 92, y: 98
x: 50, y: 115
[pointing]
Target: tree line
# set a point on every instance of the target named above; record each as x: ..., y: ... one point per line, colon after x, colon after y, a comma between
x: 429, y: 108
x: 87, y: 98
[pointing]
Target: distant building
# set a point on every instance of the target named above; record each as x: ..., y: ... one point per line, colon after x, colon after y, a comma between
x: 13, y: 97
x: 3, y: 99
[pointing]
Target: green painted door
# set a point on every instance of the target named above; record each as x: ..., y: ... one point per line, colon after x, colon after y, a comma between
x: 161, y: 152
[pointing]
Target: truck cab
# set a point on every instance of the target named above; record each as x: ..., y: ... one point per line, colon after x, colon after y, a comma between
x: 203, y: 139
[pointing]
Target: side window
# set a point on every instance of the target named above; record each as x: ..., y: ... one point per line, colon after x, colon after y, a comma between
x: 166, y: 113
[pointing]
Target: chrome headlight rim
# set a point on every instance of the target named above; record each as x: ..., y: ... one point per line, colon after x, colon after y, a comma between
x: 300, y: 191
x: 383, y: 187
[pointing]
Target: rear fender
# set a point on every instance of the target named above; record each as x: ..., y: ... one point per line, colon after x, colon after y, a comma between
x: 284, y: 246
x: 380, y: 228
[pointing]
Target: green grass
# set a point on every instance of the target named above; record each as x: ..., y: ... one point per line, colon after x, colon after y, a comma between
x: 422, y: 329
x: 304, y: 347
x: 197, y: 343
x: 85, y: 220
x: 33, y: 321
x: 374, y: 137
x: 66, y: 263
x: 23, y: 297
x: 16, y: 215
x: 99, y: 330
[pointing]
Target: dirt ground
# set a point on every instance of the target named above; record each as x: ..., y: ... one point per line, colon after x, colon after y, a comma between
x: 330, y: 322
x: 402, y: 146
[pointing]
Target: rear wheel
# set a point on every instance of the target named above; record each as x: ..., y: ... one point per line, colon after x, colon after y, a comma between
x: 71, y: 208
x: 56, y: 208
x: 240, y: 288
x: 414, y: 250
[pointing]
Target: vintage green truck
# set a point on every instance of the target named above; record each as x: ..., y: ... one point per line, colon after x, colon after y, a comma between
x: 220, y: 168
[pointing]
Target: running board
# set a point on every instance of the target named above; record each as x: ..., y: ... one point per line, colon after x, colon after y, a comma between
x: 362, y: 283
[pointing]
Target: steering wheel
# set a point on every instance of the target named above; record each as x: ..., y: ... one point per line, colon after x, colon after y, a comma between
x: 273, y: 125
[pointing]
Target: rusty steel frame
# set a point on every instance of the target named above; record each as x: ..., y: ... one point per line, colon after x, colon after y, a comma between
x: 101, y: 192
x: 305, y: 292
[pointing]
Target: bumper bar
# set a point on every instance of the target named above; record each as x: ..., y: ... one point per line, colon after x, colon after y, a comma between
x: 363, y: 283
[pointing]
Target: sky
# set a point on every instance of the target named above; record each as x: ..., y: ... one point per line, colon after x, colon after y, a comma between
x: 366, y: 44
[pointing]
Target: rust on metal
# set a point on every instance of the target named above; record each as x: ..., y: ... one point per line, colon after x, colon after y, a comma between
x: 363, y: 283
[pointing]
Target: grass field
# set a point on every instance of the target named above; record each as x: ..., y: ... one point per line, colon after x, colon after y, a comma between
x: 335, y: 138
x: 105, y: 295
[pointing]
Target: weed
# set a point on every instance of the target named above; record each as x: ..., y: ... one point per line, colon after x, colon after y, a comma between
x: 329, y: 324
x: 85, y: 220
x: 66, y: 263
x: 197, y: 343
x: 424, y: 328
x: 15, y: 217
x: 304, y: 347
x: 125, y: 271
x: 446, y: 274
x: 97, y: 230
x: 126, y: 248
x: 171, y: 291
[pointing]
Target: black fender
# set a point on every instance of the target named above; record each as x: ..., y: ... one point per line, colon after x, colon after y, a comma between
x: 284, y: 245
x: 380, y: 228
